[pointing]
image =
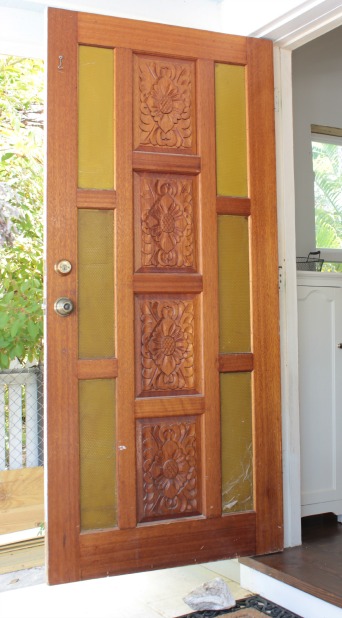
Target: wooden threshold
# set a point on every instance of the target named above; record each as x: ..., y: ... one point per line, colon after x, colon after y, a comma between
x: 315, y: 567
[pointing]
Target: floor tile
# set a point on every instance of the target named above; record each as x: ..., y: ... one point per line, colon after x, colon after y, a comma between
x: 156, y: 594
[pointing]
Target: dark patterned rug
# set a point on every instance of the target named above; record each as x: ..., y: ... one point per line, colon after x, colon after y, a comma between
x: 261, y: 605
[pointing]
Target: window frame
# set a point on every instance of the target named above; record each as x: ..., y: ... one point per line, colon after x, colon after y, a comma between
x: 327, y: 135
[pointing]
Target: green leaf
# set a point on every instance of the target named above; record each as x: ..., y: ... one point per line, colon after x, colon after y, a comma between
x: 14, y: 328
x: 33, y: 329
x: 7, y: 156
x: 19, y: 350
x: 4, y: 317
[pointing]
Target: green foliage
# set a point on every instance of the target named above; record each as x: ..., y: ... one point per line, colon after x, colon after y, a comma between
x: 21, y: 208
x: 327, y: 165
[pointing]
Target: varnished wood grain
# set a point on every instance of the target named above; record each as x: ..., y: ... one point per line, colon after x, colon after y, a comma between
x: 97, y: 369
x: 171, y: 321
x: 89, y: 198
x: 235, y: 362
x: 160, y: 39
x: 212, y: 502
x: 62, y: 393
x: 233, y: 206
x: 124, y: 301
x: 315, y: 567
x: 167, y: 544
x: 172, y: 127
x: 130, y: 547
x: 171, y: 199
x: 265, y: 318
x: 171, y: 283
x: 169, y: 163
x: 169, y: 406
x: 171, y: 446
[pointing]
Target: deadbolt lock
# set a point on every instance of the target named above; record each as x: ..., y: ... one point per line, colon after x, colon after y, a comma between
x: 64, y: 306
x: 63, y: 267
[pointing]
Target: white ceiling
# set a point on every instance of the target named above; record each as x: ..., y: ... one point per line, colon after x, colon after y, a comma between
x: 235, y: 16
x: 286, y: 22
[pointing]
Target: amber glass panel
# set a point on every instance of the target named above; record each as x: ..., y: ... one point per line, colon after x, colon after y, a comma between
x: 234, y: 292
x: 231, y: 136
x: 237, y: 455
x: 97, y: 454
x: 96, y: 283
x: 95, y: 117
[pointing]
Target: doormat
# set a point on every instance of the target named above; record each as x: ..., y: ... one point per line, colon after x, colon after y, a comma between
x: 251, y: 607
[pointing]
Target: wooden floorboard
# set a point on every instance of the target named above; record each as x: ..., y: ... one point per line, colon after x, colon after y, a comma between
x: 314, y: 567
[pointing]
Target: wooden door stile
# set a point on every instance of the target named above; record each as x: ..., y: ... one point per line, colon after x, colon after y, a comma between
x: 265, y: 312
x: 63, y: 429
x: 126, y: 476
x: 209, y: 266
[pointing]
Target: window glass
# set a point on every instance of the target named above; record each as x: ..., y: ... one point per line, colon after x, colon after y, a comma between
x: 327, y: 168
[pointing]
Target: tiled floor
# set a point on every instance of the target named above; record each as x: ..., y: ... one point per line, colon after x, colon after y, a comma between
x: 142, y: 595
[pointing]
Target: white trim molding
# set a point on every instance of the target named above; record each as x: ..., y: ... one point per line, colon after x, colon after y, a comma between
x: 287, y: 297
x: 303, y: 24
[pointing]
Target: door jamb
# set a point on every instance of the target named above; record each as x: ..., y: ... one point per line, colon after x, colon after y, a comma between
x: 287, y: 252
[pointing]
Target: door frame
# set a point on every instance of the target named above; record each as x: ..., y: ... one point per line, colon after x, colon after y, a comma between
x: 297, y: 31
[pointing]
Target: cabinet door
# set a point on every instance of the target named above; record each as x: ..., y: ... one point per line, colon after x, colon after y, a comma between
x: 320, y: 398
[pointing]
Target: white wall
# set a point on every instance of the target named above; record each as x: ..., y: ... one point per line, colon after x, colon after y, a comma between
x: 317, y: 99
x: 22, y: 32
x: 22, y: 21
x: 22, y: 29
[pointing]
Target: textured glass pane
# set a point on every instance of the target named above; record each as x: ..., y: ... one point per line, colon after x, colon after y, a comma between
x: 237, y: 455
x: 234, y: 293
x: 96, y: 283
x: 231, y: 136
x: 97, y: 454
x: 95, y: 116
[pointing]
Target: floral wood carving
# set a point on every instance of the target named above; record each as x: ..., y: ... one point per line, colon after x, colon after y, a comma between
x: 166, y: 223
x: 165, y: 91
x: 170, y: 477
x: 167, y: 345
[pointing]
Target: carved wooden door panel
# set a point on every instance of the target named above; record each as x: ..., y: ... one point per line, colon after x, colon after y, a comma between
x: 163, y: 381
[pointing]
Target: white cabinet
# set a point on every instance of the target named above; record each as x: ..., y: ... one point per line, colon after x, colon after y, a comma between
x: 320, y: 391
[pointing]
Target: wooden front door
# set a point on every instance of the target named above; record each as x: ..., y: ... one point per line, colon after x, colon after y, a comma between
x: 163, y: 381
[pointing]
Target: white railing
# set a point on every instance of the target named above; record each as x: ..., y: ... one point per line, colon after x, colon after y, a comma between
x: 20, y: 412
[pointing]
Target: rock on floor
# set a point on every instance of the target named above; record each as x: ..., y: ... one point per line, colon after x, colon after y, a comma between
x: 214, y: 594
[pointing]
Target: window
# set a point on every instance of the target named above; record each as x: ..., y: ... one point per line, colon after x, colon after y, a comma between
x: 327, y: 168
